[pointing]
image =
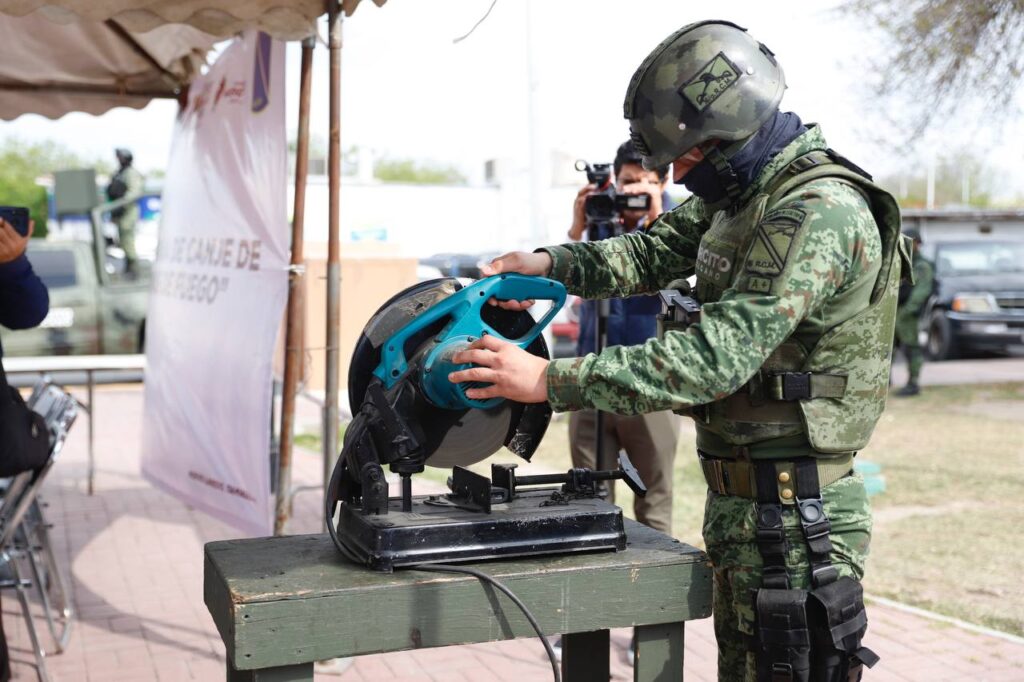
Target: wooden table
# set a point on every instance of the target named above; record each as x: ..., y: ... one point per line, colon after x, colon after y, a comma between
x: 64, y: 370
x: 281, y: 603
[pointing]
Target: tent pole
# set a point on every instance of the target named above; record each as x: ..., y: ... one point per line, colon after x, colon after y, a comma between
x: 296, y: 320
x: 334, y: 19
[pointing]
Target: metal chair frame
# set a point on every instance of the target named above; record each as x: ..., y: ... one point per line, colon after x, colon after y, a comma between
x: 23, y: 529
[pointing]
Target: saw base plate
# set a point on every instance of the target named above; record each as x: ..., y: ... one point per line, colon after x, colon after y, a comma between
x: 437, y: 531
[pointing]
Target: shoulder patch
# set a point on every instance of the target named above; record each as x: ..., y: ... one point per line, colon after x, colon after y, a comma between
x: 773, y: 240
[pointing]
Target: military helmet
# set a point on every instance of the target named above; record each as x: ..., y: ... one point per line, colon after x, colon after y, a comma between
x: 913, y: 233
x: 708, y: 80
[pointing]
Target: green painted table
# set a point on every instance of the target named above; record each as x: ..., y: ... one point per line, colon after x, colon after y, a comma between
x: 282, y: 603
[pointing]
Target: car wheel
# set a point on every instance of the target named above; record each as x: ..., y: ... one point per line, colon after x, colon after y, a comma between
x: 942, y: 343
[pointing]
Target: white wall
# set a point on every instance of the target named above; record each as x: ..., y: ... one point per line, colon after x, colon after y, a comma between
x: 421, y: 220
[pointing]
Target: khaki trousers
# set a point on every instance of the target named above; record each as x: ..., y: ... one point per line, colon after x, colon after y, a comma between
x: 650, y: 441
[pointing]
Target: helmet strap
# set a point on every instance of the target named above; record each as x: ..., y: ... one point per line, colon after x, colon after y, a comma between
x: 717, y: 158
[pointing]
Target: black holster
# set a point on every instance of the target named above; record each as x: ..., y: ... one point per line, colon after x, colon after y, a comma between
x: 801, y: 635
x: 839, y: 622
x: 812, y: 636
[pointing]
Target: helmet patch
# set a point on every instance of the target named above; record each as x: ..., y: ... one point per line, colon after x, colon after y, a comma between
x: 711, y: 81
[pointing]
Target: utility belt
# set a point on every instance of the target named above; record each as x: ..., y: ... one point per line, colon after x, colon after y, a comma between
x: 803, y: 635
x: 738, y: 476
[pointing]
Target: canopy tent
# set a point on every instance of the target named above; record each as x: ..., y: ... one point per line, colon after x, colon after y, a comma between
x: 88, y: 55
x: 51, y: 69
x: 283, y: 19
x: 172, y: 58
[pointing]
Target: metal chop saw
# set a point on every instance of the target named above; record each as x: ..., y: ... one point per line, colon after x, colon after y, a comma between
x: 407, y: 415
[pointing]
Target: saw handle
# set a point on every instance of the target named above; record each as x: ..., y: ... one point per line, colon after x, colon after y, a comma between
x: 464, y: 307
x: 510, y: 287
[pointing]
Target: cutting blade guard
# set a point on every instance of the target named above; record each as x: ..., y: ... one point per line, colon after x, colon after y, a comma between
x: 465, y: 326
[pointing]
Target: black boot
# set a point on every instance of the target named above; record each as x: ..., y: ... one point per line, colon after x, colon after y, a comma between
x: 910, y: 389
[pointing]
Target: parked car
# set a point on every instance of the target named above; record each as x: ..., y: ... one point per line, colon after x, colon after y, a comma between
x: 90, y: 313
x: 565, y: 329
x: 978, y: 301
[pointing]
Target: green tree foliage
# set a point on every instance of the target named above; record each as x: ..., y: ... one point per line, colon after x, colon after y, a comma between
x: 417, y: 173
x: 955, y: 176
x: 22, y: 164
x: 946, y: 56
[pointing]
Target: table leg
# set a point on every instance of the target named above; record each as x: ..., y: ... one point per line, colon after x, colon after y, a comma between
x: 301, y: 672
x: 659, y: 653
x: 89, y: 397
x: 582, y: 659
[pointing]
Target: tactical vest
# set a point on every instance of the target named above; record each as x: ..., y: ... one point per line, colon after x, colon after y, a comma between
x: 812, y: 396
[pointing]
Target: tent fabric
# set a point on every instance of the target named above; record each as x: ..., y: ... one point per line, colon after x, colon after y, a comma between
x: 283, y: 19
x: 52, y: 69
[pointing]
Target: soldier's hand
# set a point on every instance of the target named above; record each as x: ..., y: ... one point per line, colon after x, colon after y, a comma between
x: 512, y: 372
x: 13, y: 244
x: 521, y: 262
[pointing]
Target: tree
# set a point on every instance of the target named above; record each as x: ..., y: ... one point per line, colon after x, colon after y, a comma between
x: 957, y: 177
x: 22, y: 164
x: 948, y: 56
x: 414, y: 172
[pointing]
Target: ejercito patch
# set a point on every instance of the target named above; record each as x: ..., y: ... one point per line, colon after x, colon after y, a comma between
x: 773, y: 241
x: 711, y: 81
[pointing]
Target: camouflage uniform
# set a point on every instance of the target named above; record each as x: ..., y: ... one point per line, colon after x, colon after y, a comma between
x: 909, y: 314
x: 127, y: 219
x: 776, y: 275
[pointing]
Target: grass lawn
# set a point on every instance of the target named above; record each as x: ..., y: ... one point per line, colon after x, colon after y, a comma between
x: 945, y: 535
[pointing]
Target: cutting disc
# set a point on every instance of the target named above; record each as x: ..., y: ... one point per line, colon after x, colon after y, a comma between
x: 453, y: 437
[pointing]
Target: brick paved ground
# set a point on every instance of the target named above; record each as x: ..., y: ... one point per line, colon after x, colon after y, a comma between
x: 135, y: 555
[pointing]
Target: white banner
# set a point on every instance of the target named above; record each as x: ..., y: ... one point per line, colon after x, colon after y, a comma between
x: 219, y: 290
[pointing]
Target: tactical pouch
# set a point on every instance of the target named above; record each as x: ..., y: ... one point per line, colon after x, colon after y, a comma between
x: 782, y: 643
x: 838, y: 623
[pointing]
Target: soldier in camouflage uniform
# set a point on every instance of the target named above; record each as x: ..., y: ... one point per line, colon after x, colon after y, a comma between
x: 126, y: 182
x: 797, y: 257
x: 913, y: 297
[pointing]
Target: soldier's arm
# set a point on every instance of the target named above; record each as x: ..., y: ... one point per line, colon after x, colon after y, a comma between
x: 636, y: 263
x: 835, y: 246
x: 135, y: 183
x: 923, y: 277
x: 24, y: 300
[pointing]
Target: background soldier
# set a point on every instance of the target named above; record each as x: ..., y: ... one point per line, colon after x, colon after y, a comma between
x: 650, y: 440
x: 797, y: 265
x: 912, y: 301
x: 127, y: 182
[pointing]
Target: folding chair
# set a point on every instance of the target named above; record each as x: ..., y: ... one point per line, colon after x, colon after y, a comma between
x: 59, y: 410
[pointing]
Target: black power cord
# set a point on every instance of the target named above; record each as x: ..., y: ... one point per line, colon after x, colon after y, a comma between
x: 483, y: 577
x: 330, y: 501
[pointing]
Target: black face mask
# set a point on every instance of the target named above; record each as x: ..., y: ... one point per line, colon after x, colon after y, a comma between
x: 745, y: 161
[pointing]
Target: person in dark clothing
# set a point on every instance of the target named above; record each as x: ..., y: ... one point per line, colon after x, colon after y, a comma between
x: 24, y: 300
x: 650, y: 440
x: 24, y: 441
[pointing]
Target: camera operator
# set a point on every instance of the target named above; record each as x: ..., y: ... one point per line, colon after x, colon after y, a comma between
x: 24, y: 302
x: 630, y: 178
x: 649, y: 439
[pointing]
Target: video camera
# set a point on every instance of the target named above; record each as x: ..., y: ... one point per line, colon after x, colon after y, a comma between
x: 604, y: 206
